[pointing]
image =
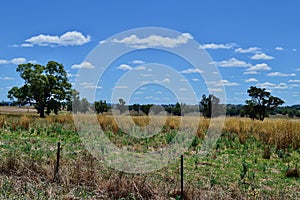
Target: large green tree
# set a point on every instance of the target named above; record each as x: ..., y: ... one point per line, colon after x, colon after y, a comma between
x: 45, y: 86
x: 261, y: 103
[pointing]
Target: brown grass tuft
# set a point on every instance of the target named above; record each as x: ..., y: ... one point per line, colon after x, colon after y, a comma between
x: 24, y: 122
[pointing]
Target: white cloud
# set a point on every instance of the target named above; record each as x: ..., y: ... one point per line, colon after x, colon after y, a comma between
x: 251, y: 80
x: 222, y: 83
x: 295, y: 85
x: 215, y: 90
x: 138, y: 62
x: 15, y: 61
x: 298, y: 69
x: 25, y: 45
x: 279, y: 48
x: 7, y: 78
x: 269, y: 85
x: 249, y: 50
x: 232, y: 62
x: 72, y: 75
x: 251, y: 72
x: 72, y: 38
x: 146, y: 75
x: 83, y: 65
x: 294, y: 81
x: 124, y: 67
x: 217, y: 46
x: 182, y: 89
x: 191, y: 70
x: 165, y: 80
x: 261, y: 56
x: 140, y: 68
x: 274, y: 74
x: 87, y: 85
x: 154, y: 41
x: 259, y: 67
x: 121, y: 87
x: 226, y: 83
x: 195, y: 79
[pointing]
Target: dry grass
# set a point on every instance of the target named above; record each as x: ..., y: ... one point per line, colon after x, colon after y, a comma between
x: 82, y: 176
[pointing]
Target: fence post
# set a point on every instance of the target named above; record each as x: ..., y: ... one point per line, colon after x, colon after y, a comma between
x: 181, y: 173
x: 56, y: 170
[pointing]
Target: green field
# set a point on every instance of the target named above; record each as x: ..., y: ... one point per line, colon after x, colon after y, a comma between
x: 250, y: 161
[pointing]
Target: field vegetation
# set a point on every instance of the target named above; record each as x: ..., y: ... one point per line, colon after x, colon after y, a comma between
x: 251, y: 160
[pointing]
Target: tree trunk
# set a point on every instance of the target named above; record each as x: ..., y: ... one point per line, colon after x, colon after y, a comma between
x: 42, y: 112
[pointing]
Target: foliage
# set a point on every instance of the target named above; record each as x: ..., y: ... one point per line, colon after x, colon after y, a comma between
x: 45, y: 86
x: 101, y: 107
x: 84, y: 106
x: 121, y: 106
x: 261, y: 103
x: 210, y: 105
x: 74, y: 102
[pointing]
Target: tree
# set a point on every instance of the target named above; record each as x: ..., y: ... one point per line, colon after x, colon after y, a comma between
x: 176, y: 109
x: 45, y: 86
x: 101, y: 106
x: 209, y: 106
x: 146, y: 108
x: 84, y: 105
x: 74, y: 101
x: 261, y: 103
x: 121, y: 106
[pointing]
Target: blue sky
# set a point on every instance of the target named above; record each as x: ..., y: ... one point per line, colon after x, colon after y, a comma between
x: 251, y: 43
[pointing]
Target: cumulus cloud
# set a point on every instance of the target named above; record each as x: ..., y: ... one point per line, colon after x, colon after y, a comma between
x: 83, y: 65
x: 222, y: 83
x: 261, y: 56
x: 226, y: 83
x: 154, y: 41
x: 249, y: 50
x: 165, y: 80
x: 269, y: 85
x: 191, y: 70
x: 140, y: 68
x: 124, y: 67
x: 250, y: 72
x: 212, y: 90
x: 251, y: 80
x: 259, y: 67
x: 274, y: 74
x: 298, y: 69
x: 121, y: 87
x: 232, y: 62
x: 72, y: 38
x: 16, y: 61
x: 217, y: 46
x: 279, y: 48
x: 138, y: 62
x: 294, y: 81
x: 7, y: 78
x: 87, y: 85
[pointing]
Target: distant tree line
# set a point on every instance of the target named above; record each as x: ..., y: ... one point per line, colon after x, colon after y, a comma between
x: 48, y: 89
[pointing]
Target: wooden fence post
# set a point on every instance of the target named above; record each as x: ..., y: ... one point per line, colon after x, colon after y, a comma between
x: 56, y: 169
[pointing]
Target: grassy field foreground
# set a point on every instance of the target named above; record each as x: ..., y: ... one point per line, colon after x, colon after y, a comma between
x: 251, y: 160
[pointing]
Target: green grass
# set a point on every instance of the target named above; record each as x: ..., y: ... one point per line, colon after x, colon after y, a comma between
x: 231, y: 171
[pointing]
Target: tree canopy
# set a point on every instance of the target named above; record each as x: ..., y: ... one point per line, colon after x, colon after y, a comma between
x: 210, y: 106
x: 45, y: 86
x: 261, y: 103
